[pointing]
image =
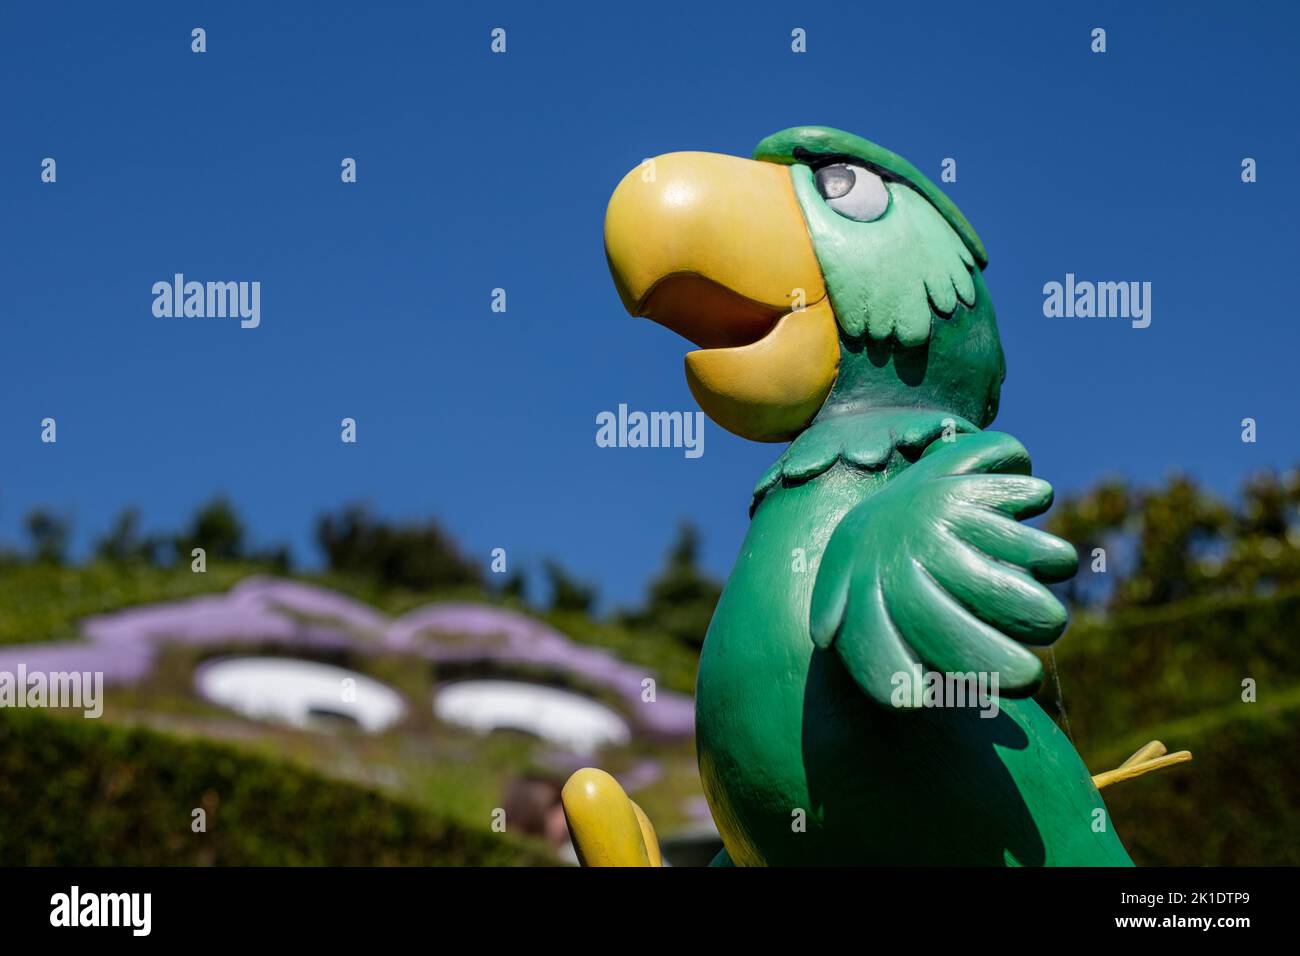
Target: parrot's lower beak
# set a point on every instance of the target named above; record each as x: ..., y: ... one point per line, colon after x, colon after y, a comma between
x: 715, y: 248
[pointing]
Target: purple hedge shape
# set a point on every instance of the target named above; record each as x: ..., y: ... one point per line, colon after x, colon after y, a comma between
x: 124, y: 644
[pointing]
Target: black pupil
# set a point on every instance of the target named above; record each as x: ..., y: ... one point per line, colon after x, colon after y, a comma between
x: 835, y: 181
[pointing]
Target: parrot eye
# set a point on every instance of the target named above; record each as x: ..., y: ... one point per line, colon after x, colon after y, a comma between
x: 853, y: 191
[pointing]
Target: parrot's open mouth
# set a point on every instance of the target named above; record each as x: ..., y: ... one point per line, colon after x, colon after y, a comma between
x: 708, y: 313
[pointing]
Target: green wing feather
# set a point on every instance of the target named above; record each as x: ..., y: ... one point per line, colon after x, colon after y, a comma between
x: 936, y: 570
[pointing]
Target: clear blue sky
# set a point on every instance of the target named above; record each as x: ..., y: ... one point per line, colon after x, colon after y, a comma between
x: 478, y: 171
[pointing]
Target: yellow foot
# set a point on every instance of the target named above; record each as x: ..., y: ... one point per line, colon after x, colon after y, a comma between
x: 606, y: 826
x: 1151, y: 757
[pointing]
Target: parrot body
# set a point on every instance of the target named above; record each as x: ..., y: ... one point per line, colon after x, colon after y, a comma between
x: 838, y: 301
x: 782, y: 728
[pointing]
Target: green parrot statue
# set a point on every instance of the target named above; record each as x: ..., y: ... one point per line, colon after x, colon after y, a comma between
x: 838, y: 303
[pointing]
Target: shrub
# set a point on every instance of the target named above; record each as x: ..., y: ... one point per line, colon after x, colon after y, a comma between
x: 73, y: 792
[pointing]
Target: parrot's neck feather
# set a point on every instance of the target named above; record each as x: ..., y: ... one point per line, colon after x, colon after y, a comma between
x: 869, y: 438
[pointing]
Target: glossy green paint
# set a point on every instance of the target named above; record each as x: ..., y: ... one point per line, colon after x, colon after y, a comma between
x: 886, y: 540
x: 959, y: 370
x: 889, y: 276
x: 957, y: 591
x: 824, y: 141
x: 786, y: 731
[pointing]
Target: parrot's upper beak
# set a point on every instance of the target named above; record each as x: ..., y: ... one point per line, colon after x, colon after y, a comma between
x: 715, y: 248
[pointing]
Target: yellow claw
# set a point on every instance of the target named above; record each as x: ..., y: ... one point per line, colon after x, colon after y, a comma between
x: 606, y: 827
x: 1152, y: 756
x: 648, y: 836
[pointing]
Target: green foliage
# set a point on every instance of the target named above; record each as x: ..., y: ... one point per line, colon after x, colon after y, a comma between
x: 673, y: 663
x: 1199, y: 594
x: 1205, y: 594
x: 1266, y: 551
x: 49, y: 534
x: 45, y: 602
x: 680, y: 601
x: 124, y: 542
x: 1234, y: 805
x: 415, y: 555
x: 1178, y: 541
x: 1089, y: 521
x: 1268, y: 505
x: 515, y: 587
x: 1143, y: 667
x: 568, y: 594
x: 217, y: 529
x: 1178, y: 523
x: 73, y: 792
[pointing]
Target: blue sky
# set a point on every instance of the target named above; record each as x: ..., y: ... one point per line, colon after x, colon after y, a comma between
x: 479, y: 171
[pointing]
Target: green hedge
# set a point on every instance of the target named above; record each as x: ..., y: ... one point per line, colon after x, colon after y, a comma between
x: 76, y: 792
x: 43, y: 602
x: 47, y: 603
x: 1174, y: 674
x: 1234, y: 805
x: 1138, y: 668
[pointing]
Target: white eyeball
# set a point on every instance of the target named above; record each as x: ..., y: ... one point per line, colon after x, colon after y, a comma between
x: 854, y: 192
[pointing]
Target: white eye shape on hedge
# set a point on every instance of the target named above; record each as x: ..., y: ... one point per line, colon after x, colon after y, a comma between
x: 304, y: 694
x: 558, y: 716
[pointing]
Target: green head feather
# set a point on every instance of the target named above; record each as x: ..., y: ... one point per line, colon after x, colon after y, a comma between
x: 917, y: 327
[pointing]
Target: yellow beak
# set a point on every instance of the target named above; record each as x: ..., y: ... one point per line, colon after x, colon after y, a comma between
x: 715, y: 248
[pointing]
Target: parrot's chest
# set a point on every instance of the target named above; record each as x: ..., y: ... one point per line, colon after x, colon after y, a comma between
x: 752, y: 692
x: 800, y: 767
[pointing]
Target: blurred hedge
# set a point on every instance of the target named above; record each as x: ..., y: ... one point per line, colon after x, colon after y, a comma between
x: 1141, y: 667
x: 45, y: 602
x: 1233, y: 805
x: 83, y: 793
x: 1175, y: 674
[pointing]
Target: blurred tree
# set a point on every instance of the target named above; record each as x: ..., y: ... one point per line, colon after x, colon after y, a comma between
x: 124, y: 543
x: 1180, y: 531
x: 1268, y: 505
x: 217, y: 529
x: 681, y: 599
x: 567, y: 592
x: 1095, y: 519
x: 1177, y: 540
x: 1264, y: 553
x: 49, y: 536
x: 515, y: 586
x: 276, y: 557
x: 414, y: 555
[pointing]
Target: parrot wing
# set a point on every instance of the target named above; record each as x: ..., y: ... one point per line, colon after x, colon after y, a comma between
x: 936, y: 570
